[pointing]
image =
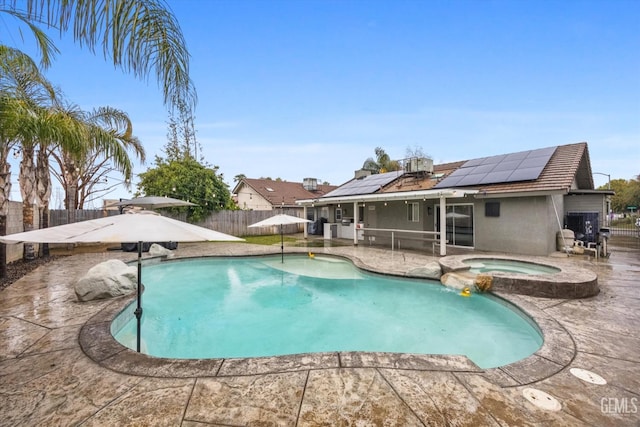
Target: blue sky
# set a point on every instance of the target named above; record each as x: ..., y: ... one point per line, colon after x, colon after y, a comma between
x: 305, y: 88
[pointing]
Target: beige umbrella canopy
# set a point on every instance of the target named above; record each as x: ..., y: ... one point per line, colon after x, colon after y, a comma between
x: 280, y: 219
x: 138, y: 227
x: 143, y: 226
x: 154, y: 202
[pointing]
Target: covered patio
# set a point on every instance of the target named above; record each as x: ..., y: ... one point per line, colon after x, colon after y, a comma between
x: 363, y: 225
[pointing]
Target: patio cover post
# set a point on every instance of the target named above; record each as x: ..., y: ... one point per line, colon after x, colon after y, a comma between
x: 443, y: 225
x: 305, y: 234
x: 355, y: 223
x: 138, y: 310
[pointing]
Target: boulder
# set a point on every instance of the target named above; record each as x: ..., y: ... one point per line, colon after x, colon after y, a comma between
x: 458, y: 280
x: 430, y: 271
x: 159, y: 250
x: 106, y: 280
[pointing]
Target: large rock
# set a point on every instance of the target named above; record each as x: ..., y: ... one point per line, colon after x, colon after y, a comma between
x: 430, y: 271
x: 106, y: 280
x: 458, y: 280
x: 159, y: 250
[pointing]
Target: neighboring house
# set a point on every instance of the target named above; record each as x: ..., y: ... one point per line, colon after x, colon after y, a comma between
x: 267, y: 194
x: 513, y: 203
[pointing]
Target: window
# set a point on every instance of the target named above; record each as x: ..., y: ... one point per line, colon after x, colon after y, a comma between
x: 492, y: 209
x: 338, y: 214
x: 413, y: 212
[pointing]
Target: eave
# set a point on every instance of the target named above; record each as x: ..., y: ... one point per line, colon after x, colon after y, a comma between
x: 389, y: 197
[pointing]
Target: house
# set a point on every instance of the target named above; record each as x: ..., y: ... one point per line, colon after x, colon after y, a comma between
x: 515, y: 203
x: 267, y: 194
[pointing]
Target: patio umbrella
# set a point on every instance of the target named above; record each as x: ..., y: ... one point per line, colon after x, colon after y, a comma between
x: 154, y: 202
x: 151, y: 202
x: 127, y: 228
x: 281, y: 220
x: 456, y: 215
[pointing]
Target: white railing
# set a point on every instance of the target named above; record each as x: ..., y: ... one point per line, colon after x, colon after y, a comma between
x: 432, y: 237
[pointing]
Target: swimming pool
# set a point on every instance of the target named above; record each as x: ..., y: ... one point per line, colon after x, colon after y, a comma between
x: 488, y: 265
x: 258, y: 306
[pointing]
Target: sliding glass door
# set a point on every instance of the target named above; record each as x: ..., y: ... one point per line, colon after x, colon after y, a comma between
x: 459, y: 224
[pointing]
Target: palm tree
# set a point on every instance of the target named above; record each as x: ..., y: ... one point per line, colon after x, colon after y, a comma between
x: 140, y: 36
x: 35, y: 122
x: 24, y: 90
x: 105, y: 133
x: 382, y: 163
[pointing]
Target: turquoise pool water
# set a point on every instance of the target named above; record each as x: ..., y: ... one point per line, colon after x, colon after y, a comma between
x: 258, y: 306
x: 487, y: 265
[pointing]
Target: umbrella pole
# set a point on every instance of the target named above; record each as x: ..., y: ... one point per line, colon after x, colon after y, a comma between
x: 138, y: 311
x: 281, y: 244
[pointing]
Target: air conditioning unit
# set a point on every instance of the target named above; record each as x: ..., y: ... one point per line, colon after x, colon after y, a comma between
x: 310, y: 184
x: 418, y: 164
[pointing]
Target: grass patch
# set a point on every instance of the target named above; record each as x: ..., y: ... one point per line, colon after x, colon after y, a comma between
x: 268, y: 240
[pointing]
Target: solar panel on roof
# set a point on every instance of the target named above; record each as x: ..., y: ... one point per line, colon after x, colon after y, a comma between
x: 496, y: 176
x: 525, y: 174
x: 516, y: 156
x: 493, y: 160
x: 367, y: 185
x: 506, y: 165
x: 521, y: 166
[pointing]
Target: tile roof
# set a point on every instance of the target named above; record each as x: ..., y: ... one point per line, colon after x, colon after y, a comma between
x: 569, y: 168
x: 277, y: 192
x: 418, y: 181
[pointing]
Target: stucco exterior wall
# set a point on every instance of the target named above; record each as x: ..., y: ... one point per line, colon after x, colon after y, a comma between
x: 248, y: 199
x: 526, y: 226
x: 587, y: 203
x: 395, y: 216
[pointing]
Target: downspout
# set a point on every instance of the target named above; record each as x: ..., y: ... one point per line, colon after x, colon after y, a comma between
x: 443, y: 225
x: 564, y: 242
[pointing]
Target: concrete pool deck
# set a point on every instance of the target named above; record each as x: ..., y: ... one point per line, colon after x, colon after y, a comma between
x: 47, y: 379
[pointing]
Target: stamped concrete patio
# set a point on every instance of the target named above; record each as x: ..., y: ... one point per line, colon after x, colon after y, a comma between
x: 59, y: 365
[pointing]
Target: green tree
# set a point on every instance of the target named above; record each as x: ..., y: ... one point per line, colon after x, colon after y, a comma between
x: 187, y: 179
x: 139, y: 36
x: 382, y: 163
x: 181, y: 135
x: 181, y: 176
x: 627, y: 193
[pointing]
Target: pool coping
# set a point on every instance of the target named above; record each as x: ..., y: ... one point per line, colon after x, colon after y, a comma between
x: 569, y: 283
x: 557, y: 351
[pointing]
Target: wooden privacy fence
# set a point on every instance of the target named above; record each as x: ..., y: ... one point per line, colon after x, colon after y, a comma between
x: 235, y: 223
x: 60, y: 216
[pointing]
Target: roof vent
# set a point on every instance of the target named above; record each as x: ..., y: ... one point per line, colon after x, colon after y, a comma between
x: 310, y: 184
x: 362, y: 173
